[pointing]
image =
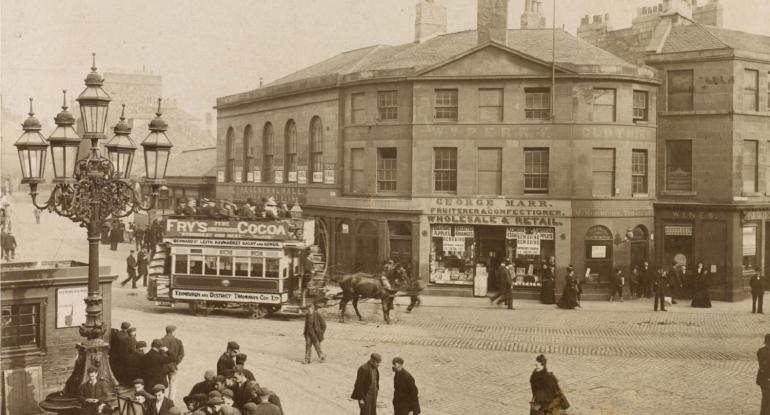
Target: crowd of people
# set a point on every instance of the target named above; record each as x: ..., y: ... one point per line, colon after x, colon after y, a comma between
x: 267, y: 207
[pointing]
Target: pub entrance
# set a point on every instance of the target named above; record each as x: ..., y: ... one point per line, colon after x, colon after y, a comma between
x: 492, y: 249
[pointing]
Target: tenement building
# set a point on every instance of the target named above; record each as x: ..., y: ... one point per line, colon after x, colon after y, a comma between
x: 458, y: 150
x: 713, y: 147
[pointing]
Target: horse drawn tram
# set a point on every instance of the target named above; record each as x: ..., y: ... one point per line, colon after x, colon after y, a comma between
x: 262, y: 266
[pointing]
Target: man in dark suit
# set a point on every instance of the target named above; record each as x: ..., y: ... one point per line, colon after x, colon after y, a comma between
x: 763, y: 375
x: 226, y: 360
x: 757, y: 293
x: 118, y: 340
x: 646, y: 277
x: 134, y: 361
x: 405, y: 399
x: 500, y: 280
x: 206, y: 386
x: 154, y: 365
x: 507, y: 282
x: 130, y: 270
x: 659, y: 285
x: 367, y: 385
x: 142, y: 262
x: 161, y: 405
x: 315, y: 327
x: 240, y: 363
x: 176, y: 351
x: 92, y: 393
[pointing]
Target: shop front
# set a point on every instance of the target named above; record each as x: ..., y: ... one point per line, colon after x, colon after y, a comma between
x: 467, y: 240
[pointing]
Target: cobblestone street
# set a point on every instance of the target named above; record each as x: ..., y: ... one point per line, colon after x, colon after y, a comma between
x: 466, y: 355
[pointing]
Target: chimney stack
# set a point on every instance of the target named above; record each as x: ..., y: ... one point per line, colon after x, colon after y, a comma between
x: 532, y: 18
x: 429, y: 20
x: 492, y: 21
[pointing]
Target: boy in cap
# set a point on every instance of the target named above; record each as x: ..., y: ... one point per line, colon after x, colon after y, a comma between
x: 226, y: 360
x: 92, y: 393
x: 176, y: 351
x: 240, y: 363
x: 405, y: 399
x: 161, y: 405
x: 265, y: 407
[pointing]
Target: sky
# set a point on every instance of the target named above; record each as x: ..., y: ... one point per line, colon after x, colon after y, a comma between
x: 204, y: 49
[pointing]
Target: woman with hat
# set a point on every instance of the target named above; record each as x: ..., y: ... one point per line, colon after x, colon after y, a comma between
x: 569, y: 297
x: 547, y: 286
x: 547, y: 397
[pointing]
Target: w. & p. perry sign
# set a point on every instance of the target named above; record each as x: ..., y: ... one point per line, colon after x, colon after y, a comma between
x: 227, y: 229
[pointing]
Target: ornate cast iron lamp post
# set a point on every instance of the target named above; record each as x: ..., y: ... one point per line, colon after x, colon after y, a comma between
x: 90, y: 190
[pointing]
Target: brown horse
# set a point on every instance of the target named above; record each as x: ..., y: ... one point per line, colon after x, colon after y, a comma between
x: 360, y: 285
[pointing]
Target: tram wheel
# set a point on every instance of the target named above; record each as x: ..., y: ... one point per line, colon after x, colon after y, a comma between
x: 201, y: 308
x: 256, y: 312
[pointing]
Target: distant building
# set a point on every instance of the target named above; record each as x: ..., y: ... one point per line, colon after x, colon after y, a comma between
x: 713, y: 171
x: 191, y: 174
x: 457, y: 151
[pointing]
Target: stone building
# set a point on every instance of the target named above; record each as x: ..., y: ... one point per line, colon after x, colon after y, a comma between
x: 458, y: 150
x: 713, y: 145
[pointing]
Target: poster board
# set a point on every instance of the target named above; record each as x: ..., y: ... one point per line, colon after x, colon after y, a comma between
x: 70, y: 307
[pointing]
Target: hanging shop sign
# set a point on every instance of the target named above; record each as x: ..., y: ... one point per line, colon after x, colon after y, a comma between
x: 453, y: 244
x: 441, y: 231
x: 528, y: 244
x: 465, y: 232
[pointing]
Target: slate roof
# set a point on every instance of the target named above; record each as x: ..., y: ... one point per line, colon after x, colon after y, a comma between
x: 192, y: 163
x: 697, y: 37
x: 571, y: 52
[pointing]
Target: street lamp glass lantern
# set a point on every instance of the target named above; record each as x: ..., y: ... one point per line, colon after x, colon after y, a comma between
x: 32, y: 149
x: 157, y: 148
x: 121, y: 148
x: 65, y: 146
x: 94, y: 103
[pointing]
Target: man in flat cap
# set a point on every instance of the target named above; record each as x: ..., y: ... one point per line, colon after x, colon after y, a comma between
x: 161, y: 404
x: 265, y: 407
x: 154, y: 364
x: 206, y: 386
x: 229, y: 406
x: 250, y: 409
x: 763, y: 375
x: 118, y: 339
x: 92, y: 393
x: 176, y: 351
x: 315, y: 327
x: 134, y: 361
x: 226, y: 360
x: 405, y: 393
x: 368, y: 385
x: 214, y: 404
x: 240, y: 363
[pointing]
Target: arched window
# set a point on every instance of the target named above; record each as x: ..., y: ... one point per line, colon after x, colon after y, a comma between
x: 290, y: 149
x: 316, y: 150
x: 229, y: 154
x: 248, y: 153
x: 268, y: 152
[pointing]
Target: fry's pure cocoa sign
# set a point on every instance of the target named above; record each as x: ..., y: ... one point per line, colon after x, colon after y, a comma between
x: 273, y: 230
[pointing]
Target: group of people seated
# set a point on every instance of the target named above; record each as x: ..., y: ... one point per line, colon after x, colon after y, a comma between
x: 226, y: 209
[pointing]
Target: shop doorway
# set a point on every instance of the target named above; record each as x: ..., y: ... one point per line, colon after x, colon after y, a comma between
x: 367, y: 250
x: 640, y: 246
x: 400, y: 242
x: 599, y: 254
x: 677, y: 245
x: 342, y: 249
x: 491, y: 250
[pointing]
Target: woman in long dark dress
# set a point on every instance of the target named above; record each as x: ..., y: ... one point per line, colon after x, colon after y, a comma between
x: 700, y: 296
x: 569, y: 297
x: 547, y: 286
x: 547, y: 397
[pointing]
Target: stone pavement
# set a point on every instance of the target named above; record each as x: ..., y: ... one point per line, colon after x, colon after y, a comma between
x: 466, y: 355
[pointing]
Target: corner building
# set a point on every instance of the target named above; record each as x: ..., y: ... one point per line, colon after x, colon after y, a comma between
x: 457, y: 151
x: 713, y: 150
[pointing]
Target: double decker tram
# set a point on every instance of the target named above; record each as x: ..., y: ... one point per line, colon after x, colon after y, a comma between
x: 255, y: 265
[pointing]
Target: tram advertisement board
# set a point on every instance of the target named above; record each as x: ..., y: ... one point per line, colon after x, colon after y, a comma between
x: 272, y: 230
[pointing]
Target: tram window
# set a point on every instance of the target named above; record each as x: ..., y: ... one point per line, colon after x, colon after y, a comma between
x: 273, y: 268
x: 257, y: 268
x: 211, y: 265
x: 241, y: 266
x: 196, y: 265
x: 180, y: 264
x: 226, y: 265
